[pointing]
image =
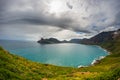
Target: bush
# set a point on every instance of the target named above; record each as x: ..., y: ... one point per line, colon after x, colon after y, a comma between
x: 6, y: 74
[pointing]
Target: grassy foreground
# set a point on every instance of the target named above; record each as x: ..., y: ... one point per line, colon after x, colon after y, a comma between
x: 13, y: 67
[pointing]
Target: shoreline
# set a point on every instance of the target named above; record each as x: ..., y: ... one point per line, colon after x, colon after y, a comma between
x: 103, y: 49
x: 97, y: 60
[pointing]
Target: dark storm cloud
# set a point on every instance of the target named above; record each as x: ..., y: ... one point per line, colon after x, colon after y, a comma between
x: 50, y: 21
x: 2, y: 4
x: 69, y: 5
x: 117, y: 20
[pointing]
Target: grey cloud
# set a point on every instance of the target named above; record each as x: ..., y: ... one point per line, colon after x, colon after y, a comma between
x: 87, y: 16
x: 35, y: 16
x: 69, y: 5
x: 40, y: 17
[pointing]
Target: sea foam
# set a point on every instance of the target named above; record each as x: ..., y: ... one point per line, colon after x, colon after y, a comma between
x: 97, y: 60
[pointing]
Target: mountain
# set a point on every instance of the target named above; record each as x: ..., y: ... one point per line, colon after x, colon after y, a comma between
x: 97, y: 39
x: 75, y: 41
x: 48, y: 41
x: 102, y: 37
x: 51, y: 41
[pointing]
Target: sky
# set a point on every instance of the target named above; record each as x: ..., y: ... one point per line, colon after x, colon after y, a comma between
x: 61, y: 19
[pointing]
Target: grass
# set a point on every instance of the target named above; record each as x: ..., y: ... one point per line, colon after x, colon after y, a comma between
x: 13, y: 67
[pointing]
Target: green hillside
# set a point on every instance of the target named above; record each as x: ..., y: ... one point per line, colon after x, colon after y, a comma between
x: 110, y: 66
x: 13, y: 67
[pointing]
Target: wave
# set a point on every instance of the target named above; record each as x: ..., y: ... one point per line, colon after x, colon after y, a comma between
x: 80, y: 66
x: 95, y: 61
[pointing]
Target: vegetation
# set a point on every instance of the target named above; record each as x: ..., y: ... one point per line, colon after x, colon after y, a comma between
x: 13, y: 67
x: 110, y: 66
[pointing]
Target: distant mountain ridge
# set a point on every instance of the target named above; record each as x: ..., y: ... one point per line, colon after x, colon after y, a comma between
x: 75, y: 40
x: 99, y: 38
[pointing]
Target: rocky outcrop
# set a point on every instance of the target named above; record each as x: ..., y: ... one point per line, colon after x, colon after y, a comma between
x: 48, y: 41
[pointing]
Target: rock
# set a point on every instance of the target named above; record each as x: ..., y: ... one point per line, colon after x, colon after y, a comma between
x: 95, y: 62
x: 48, y: 41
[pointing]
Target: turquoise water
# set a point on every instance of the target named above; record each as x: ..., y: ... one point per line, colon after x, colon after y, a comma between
x: 69, y: 55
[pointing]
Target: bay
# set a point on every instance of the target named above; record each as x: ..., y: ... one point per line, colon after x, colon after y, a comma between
x: 65, y: 54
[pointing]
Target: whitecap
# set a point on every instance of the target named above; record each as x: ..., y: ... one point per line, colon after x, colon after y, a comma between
x: 97, y: 60
x: 80, y: 66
